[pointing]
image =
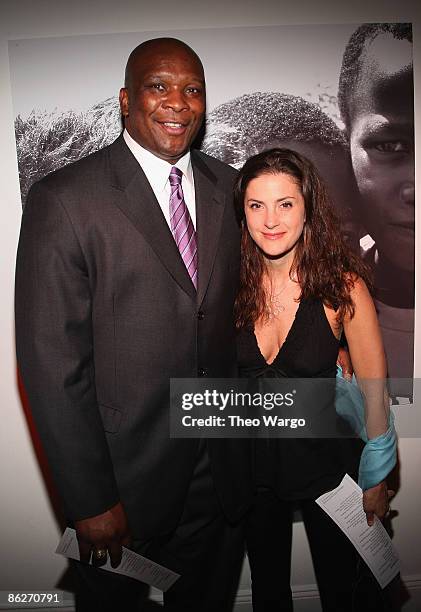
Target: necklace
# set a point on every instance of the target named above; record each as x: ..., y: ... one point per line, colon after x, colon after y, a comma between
x: 274, y: 306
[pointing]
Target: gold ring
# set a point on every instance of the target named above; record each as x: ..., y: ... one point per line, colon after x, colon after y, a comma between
x: 100, y: 554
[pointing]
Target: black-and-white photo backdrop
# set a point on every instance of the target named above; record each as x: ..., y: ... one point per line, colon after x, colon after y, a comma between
x: 340, y: 94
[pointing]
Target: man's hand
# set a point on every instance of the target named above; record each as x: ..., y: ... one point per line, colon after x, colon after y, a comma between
x: 344, y: 360
x: 376, y: 501
x: 108, y: 531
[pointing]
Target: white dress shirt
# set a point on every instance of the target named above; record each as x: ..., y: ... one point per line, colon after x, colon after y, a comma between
x: 158, y: 171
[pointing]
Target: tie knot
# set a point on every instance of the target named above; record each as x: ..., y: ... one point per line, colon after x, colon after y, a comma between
x: 175, y: 176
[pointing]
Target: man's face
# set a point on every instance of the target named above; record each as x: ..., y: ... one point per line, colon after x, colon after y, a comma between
x: 165, y: 104
x: 382, y: 147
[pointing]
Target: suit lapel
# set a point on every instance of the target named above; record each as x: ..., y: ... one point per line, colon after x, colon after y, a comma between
x: 210, y: 203
x: 136, y: 199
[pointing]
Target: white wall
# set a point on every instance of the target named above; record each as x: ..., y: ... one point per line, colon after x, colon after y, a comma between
x: 28, y: 530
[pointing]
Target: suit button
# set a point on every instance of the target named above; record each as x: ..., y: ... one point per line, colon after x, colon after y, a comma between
x: 201, y: 372
x: 200, y: 315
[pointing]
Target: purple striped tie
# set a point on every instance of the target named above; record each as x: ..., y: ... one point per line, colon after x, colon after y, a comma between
x: 182, y: 225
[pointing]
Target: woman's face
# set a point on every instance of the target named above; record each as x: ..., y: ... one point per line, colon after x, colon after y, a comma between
x: 275, y: 213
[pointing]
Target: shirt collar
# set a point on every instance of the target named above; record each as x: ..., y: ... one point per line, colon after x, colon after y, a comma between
x: 157, y: 170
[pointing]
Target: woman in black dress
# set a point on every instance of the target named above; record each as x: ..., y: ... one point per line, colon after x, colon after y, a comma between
x: 300, y: 288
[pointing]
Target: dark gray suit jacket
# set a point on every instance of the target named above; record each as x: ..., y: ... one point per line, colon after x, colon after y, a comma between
x: 106, y: 314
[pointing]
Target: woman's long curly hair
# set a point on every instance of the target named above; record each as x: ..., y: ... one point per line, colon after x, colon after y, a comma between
x: 323, y: 264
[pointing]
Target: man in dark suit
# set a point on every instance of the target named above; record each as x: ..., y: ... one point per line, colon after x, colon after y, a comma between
x: 112, y: 301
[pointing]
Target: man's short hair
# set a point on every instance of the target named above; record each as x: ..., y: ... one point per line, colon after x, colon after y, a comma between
x: 155, y: 43
x: 246, y: 125
x: 352, y: 59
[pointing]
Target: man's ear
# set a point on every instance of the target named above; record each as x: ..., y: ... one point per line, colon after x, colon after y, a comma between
x: 124, y: 101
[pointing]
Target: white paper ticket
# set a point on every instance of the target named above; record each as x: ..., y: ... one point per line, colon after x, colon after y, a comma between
x: 132, y: 564
x: 345, y: 506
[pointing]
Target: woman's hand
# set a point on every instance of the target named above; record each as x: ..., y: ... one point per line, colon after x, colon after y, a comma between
x: 344, y: 360
x: 376, y: 501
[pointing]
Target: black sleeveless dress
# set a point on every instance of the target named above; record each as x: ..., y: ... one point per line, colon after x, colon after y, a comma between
x: 301, y: 468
